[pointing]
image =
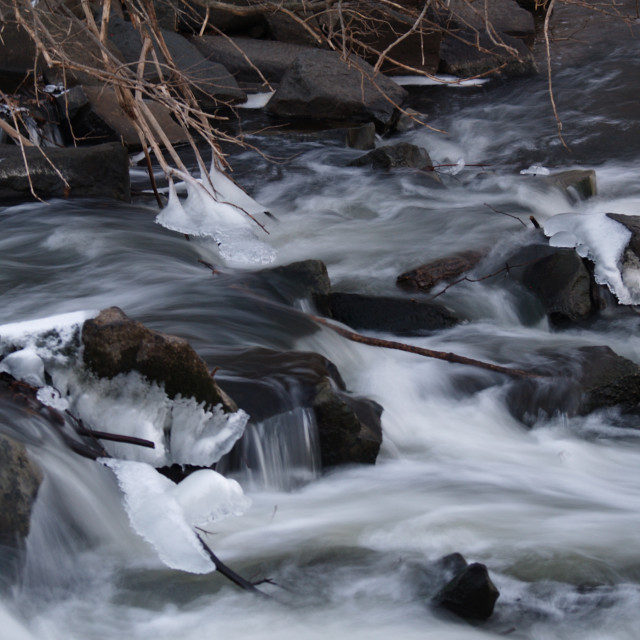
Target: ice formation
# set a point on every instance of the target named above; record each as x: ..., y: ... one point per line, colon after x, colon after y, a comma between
x: 222, y: 215
x: 165, y: 513
x: 603, y: 241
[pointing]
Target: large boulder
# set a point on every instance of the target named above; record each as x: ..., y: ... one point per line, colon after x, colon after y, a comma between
x: 247, y: 59
x: 79, y: 166
x: 102, y: 118
x: 211, y: 81
x: 320, y: 85
x: 114, y: 344
x: 426, y: 276
x: 20, y: 479
x: 266, y: 383
x: 577, y: 382
x: 402, y: 316
x: 17, y: 56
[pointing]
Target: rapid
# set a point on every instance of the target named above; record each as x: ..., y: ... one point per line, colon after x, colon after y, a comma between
x: 552, y: 510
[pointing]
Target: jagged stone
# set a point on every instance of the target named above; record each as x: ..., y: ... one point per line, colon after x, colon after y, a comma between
x: 114, y: 344
x: 320, y: 85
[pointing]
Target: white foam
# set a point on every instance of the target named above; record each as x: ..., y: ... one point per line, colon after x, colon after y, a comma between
x: 256, y: 100
x: 438, y: 80
x: 602, y: 240
x: 64, y: 324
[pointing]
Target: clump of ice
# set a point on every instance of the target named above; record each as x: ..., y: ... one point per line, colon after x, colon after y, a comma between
x: 603, y: 241
x: 535, y: 170
x: 256, y: 100
x: 223, y: 214
x: 25, y: 365
x: 165, y: 514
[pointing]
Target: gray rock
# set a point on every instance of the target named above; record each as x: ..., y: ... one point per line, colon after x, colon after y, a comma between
x: 17, y: 55
x: 242, y: 56
x: 79, y: 166
x: 20, y: 479
x: 393, y: 156
x: 580, y: 184
x: 426, y: 276
x: 114, y: 344
x: 362, y: 137
x: 633, y: 224
x: 319, y: 85
x: 402, y: 316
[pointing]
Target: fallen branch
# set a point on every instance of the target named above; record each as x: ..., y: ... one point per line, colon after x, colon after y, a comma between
x: 229, y: 573
x: 429, y: 353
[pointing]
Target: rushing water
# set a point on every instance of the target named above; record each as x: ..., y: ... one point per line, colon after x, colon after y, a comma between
x: 553, y: 511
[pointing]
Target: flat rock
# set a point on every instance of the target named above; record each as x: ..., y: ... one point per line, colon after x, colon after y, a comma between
x: 115, y: 344
x: 394, y: 156
x: 402, y: 316
x: 246, y: 58
x: 320, y: 85
x: 79, y: 166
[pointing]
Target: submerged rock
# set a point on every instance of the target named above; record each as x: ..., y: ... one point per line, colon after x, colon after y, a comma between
x: 114, y: 344
x: 393, y: 156
x: 580, y: 184
x: 426, y: 276
x: 402, y: 316
x: 576, y: 383
x: 20, y: 479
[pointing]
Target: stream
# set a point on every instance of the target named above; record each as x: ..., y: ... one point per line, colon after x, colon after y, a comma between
x: 552, y: 510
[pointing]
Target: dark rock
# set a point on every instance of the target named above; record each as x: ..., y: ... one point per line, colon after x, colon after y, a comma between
x: 321, y: 86
x: 71, y: 102
x: 562, y: 283
x: 17, y: 56
x: 105, y: 119
x: 362, y: 137
x: 190, y: 17
x: 266, y: 383
x: 426, y: 276
x: 284, y: 28
x: 393, y: 156
x: 471, y: 594
x: 114, y: 344
x: 211, y: 81
x: 305, y: 279
x: 503, y: 51
x: 402, y: 316
x: 79, y: 166
x: 580, y: 184
x: 577, y: 382
x: 242, y: 56
x: 633, y: 224
x: 20, y: 479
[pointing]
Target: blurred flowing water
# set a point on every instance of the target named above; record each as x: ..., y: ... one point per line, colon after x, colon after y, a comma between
x: 553, y: 511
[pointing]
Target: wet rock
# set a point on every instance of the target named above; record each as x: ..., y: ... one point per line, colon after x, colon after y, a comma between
x: 426, y: 276
x: 104, y: 119
x: 190, y: 17
x: 577, y: 382
x: 362, y: 137
x: 242, y: 56
x: 393, y: 156
x: 266, y: 383
x: 79, y: 166
x: 20, y: 479
x: 633, y: 224
x: 562, y: 283
x: 580, y: 184
x: 114, y: 344
x: 320, y: 85
x: 471, y: 594
x: 402, y: 316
